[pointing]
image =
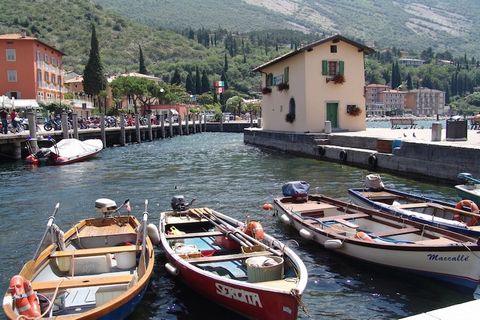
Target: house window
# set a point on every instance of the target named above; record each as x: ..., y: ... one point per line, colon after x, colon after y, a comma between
x: 47, y: 78
x: 286, y: 72
x: 45, y: 58
x: 333, y: 67
x: 333, y: 49
x: 290, y: 117
x: 12, y: 75
x: 11, y: 55
x: 39, y: 56
x: 269, y: 80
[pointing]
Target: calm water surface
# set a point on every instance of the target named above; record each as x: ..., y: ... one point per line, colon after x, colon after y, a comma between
x: 221, y: 172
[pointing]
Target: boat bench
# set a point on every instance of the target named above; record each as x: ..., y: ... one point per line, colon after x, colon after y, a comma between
x: 64, y: 283
x: 194, y: 235
x: 94, y: 251
x: 227, y: 257
x: 396, y: 232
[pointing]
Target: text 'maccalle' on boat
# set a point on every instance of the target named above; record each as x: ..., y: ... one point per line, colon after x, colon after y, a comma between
x: 234, y: 264
x: 462, y: 217
x: 378, y: 237
x: 99, y: 269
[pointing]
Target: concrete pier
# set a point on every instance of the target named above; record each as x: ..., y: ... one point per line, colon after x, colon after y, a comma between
x: 408, y: 152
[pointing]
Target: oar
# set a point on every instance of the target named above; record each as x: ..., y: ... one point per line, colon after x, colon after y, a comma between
x: 143, y: 263
x: 244, y: 235
x: 223, y: 228
x: 49, y: 225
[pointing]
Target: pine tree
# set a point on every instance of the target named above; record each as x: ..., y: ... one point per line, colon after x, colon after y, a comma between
x: 225, y: 64
x: 198, y: 82
x: 205, y: 83
x: 189, y: 86
x: 141, y: 69
x: 176, y: 78
x: 94, y: 80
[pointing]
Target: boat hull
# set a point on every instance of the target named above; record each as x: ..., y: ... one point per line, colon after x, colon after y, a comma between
x: 454, y: 264
x: 363, y: 201
x: 470, y: 192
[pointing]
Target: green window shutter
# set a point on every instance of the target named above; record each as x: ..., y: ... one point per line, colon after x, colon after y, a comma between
x: 269, y: 80
x: 341, y: 67
x: 324, y: 67
x: 285, y: 74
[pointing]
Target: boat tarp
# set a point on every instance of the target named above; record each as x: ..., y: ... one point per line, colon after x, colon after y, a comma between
x: 295, y: 189
x: 74, y: 147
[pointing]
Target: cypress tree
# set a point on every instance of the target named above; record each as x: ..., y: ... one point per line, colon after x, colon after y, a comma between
x: 141, y: 69
x: 224, y: 79
x: 198, y: 82
x: 225, y: 64
x: 205, y: 82
x: 94, y: 80
x: 189, y: 86
x: 176, y: 79
x: 409, y: 82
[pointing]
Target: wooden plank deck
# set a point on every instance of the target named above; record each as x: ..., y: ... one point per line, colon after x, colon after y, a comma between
x: 194, y: 235
x: 65, y: 283
x: 397, y: 232
x: 227, y: 257
x: 93, y: 251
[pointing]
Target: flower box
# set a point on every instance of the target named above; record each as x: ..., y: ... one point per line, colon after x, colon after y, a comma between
x: 283, y: 86
x: 353, y: 110
x: 290, y: 117
x: 266, y: 90
x: 337, y: 79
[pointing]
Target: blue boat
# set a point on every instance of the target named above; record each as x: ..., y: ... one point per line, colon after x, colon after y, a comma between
x: 99, y: 269
x: 462, y: 217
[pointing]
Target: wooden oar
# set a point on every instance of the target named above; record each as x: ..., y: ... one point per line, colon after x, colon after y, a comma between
x: 243, y: 234
x: 223, y: 227
x: 142, y: 264
x: 49, y: 225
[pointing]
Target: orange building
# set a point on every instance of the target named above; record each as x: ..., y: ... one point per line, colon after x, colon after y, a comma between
x: 30, y: 68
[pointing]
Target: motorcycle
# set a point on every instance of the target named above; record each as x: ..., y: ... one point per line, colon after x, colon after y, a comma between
x: 55, y: 124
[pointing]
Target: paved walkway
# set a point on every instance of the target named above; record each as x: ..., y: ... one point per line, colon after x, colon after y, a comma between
x: 416, y: 135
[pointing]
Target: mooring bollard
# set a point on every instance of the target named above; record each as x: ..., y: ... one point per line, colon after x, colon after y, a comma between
x: 75, y: 125
x: 328, y: 127
x: 150, y: 133
x: 65, y: 125
x: 122, y: 131
x: 163, y: 127
x: 137, y: 128
x: 102, y: 130
x: 170, y: 118
x: 180, y: 130
x: 32, y: 125
x: 436, y: 131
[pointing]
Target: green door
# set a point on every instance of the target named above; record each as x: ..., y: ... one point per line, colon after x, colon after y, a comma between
x: 332, y: 114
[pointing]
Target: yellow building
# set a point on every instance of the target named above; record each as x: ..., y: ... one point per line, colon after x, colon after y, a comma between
x: 322, y: 81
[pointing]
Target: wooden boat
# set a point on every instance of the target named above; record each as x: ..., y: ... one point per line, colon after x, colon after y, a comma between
x: 259, y: 279
x: 99, y: 269
x: 462, y: 217
x: 378, y: 237
x: 470, y: 189
x: 66, y: 151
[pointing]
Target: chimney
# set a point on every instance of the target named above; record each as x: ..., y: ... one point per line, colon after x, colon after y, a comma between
x: 24, y: 33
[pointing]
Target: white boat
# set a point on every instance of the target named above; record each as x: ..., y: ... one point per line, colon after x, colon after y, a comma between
x: 470, y: 189
x: 67, y: 151
x: 99, y: 269
x: 378, y: 237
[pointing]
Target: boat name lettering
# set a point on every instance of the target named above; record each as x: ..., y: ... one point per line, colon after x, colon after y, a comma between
x: 436, y: 257
x: 239, y: 295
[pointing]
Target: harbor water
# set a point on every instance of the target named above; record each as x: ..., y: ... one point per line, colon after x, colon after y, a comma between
x: 223, y: 173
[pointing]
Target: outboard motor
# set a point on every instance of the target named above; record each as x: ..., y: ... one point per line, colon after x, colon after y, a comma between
x: 178, y: 203
x: 106, y: 207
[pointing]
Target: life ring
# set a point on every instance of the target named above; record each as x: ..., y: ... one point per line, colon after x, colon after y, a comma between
x: 267, y: 206
x: 254, y: 229
x: 343, y: 155
x: 26, y: 301
x: 472, y: 207
x: 372, y: 161
x: 363, y: 236
x: 321, y: 150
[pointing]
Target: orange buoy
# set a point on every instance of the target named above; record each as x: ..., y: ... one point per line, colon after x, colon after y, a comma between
x: 26, y: 303
x: 472, y: 207
x: 363, y: 236
x: 267, y: 206
x: 255, y: 229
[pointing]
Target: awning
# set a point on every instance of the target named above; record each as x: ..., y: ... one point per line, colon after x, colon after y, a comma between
x: 25, y: 104
x: 174, y: 112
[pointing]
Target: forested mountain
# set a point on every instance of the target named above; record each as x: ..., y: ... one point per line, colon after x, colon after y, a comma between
x: 410, y: 24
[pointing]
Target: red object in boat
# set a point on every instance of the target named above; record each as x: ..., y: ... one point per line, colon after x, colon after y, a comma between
x: 267, y: 206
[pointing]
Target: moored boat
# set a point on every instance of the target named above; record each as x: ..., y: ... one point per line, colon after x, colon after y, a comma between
x: 377, y: 237
x: 66, y: 151
x: 235, y: 265
x: 99, y: 269
x: 462, y: 217
x: 470, y: 189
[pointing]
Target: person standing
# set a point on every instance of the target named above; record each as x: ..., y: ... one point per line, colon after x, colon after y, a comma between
x: 3, y: 117
x: 13, y: 115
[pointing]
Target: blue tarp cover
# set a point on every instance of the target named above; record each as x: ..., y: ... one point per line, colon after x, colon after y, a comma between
x: 295, y: 189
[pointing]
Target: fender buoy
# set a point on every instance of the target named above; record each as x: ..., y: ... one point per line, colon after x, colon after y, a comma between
x: 267, y: 206
x: 363, y: 236
x: 343, y: 155
x: 321, y: 150
x: 472, y: 207
x: 372, y: 161
x: 26, y: 301
x: 255, y: 229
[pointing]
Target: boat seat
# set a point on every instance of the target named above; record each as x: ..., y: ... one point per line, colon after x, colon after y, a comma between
x: 194, y: 235
x: 413, y: 205
x: 396, y: 232
x: 347, y: 223
x: 226, y: 257
x: 78, y: 282
x: 94, y: 251
x: 345, y: 217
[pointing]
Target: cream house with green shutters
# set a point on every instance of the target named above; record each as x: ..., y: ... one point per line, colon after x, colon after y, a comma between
x: 322, y: 81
